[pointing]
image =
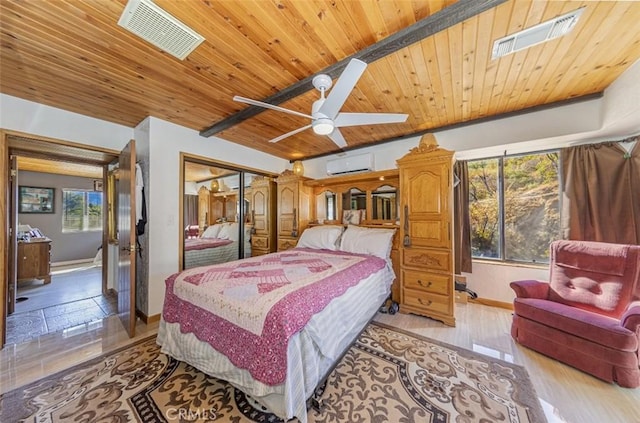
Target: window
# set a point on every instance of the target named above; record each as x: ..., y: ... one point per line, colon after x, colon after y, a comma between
x: 81, y: 210
x: 514, y: 207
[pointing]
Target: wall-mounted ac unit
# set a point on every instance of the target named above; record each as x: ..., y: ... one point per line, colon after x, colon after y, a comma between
x: 351, y: 164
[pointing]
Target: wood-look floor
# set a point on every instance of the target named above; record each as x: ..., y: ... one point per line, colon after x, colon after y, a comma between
x: 566, y: 394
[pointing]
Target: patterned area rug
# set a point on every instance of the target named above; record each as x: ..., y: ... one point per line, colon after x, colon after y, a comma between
x: 387, y: 375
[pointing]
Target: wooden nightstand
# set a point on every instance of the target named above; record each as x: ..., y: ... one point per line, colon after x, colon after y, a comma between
x: 34, y: 260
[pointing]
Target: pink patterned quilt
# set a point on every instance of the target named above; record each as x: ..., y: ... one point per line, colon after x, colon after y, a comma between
x: 203, y: 243
x: 248, y: 309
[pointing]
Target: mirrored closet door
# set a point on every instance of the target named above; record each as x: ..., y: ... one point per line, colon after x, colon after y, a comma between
x: 218, y: 214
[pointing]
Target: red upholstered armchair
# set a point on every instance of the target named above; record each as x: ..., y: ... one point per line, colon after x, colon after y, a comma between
x: 588, y: 314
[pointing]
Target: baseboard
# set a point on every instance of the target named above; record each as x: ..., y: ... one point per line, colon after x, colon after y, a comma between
x: 69, y: 262
x: 492, y: 303
x: 148, y: 319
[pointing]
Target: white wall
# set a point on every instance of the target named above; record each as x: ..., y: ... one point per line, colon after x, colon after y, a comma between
x: 533, y: 131
x: 37, y: 119
x: 491, y: 281
x: 167, y: 140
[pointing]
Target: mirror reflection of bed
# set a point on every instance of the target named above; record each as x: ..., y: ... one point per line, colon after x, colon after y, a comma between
x: 217, y: 220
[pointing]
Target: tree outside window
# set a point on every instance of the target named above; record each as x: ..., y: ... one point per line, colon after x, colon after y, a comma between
x: 514, y: 207
x: 484, y: 208
x: 81, y: 210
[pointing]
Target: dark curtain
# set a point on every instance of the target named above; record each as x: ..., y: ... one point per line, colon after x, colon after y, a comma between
x: 601, y: 193
x: 190, y: 210
x: 461, y: 224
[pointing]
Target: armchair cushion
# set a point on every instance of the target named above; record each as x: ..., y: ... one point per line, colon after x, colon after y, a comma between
x: 593, y: 276
x: 591, y: 326
x: 598, y: 257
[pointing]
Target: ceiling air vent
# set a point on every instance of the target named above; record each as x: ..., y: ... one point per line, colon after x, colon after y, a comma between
x: 148, y: 21
x: 540, y: 33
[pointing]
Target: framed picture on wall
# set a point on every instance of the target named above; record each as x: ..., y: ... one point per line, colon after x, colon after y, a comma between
x: 35, y: 199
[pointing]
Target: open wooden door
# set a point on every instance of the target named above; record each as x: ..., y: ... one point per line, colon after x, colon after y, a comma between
x: 12, y: 265
x: 127, y: 238
x: 8, y: 294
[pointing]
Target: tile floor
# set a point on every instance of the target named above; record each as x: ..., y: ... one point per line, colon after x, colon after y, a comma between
x: 73, y: 298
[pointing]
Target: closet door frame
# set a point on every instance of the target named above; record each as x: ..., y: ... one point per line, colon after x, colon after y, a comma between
x: 210, y: 162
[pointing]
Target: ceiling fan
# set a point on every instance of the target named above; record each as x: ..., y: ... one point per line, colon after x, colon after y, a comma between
x: 325, y: 115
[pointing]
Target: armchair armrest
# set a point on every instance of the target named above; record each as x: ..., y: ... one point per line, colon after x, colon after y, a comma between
x: 530, y: 289
x: 631, y: 317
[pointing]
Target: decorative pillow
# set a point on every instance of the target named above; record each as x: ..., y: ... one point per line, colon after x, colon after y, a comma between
x: 212, y: 231
x: 229, y: 231
x: 373, y: 241
x: 323, y: 237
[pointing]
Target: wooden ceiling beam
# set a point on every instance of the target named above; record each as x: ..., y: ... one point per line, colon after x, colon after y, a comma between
x: 441, y: 20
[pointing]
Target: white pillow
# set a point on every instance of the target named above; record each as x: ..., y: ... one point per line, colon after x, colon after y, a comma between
x: 211, y: 232
x: 323, y: 237
x: 229, y: 231
x: 373, y: 241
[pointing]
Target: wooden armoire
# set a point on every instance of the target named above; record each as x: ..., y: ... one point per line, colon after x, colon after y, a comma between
x: 426, y: 213
x: 203, y: 209
x: 294, y: 207
x: 215, y: 206
x: 262, y: 198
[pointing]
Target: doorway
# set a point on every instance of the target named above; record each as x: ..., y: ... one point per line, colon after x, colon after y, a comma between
x: 66, y: 307
x: 66, y: 292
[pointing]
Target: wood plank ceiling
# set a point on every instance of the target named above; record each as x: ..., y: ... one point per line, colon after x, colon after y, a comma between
x: 72, y: 54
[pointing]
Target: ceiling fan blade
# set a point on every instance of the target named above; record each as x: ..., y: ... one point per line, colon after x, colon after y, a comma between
x: 336, y: 137
x: 343, y: 88
x: 269, y: 106
x: 355, y: 119
x: 288, y: 134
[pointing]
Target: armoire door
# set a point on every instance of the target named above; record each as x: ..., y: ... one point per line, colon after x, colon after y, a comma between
x: 426, y: 205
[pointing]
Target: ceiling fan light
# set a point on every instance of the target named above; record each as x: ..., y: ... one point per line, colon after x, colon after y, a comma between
x: 323, y: 126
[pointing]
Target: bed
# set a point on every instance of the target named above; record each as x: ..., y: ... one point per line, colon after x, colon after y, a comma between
x: 218, y: 244
x: 275, y: 325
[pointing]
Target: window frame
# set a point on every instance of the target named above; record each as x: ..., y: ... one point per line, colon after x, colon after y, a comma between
x: 500, y: 186
x: 85, y: 212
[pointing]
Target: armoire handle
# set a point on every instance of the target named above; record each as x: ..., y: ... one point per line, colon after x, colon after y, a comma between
x: 406, y: 241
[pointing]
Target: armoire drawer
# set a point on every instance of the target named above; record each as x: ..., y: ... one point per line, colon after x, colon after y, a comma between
x: 428, y: 282
x: 438, y: 260
x: 426, y: 302
x: 259, y: 242
x: 286, y: 244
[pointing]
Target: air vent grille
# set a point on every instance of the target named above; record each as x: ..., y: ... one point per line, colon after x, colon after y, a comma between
x: 151, y: 23
x: 537, y: 34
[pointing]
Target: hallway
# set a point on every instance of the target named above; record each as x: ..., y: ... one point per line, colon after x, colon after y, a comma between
x: 73, y: 300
